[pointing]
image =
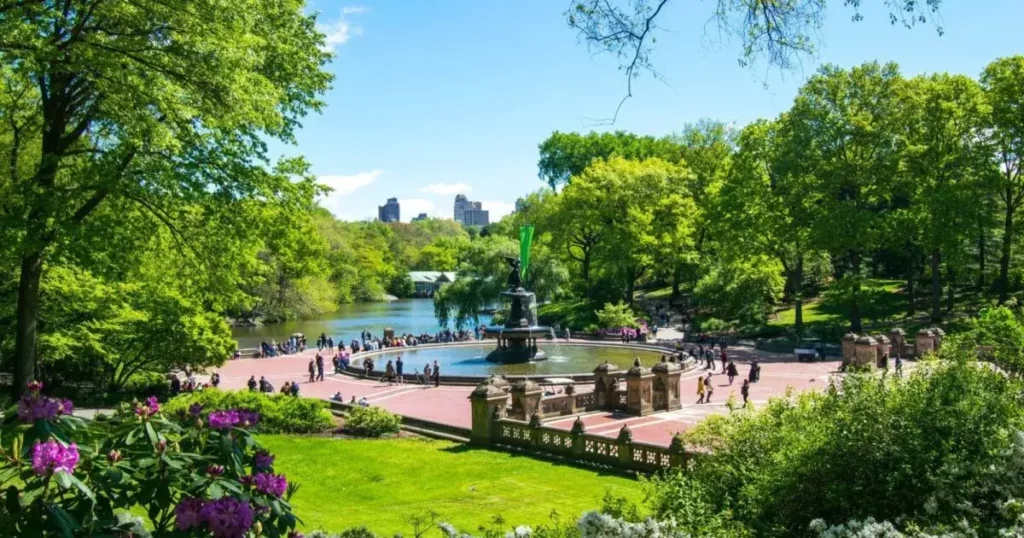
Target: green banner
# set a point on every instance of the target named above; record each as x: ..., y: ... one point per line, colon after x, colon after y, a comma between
x: 525, y: 238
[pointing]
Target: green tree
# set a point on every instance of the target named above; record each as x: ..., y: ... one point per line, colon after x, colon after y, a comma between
x: 1001, y: 81
x: 158, y: 103
x: 615, y: 316
x: 844, y: 128
x: 947, y: 163
x: 564, y: 155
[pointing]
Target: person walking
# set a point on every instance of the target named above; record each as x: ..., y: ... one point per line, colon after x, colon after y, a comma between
x: 899, y: 366
x: 700, y: 390
x: 709, y: 357
x: 319, y: 367
x: 389, y: 373
x: 731, y: 371
x: 709, y: 388
x: 437, y: 375
x: 745, y: 391
x: 312, y: 371
x: 398, y: 370
x: 330, y: 344
x: 725, y: 359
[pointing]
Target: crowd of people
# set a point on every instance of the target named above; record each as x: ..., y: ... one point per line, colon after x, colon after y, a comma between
x: 290, y: 388
x: 191, y: 383
x: 706, y: 355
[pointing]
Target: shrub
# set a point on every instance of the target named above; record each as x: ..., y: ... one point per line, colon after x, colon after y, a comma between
x: 615, y: 316
x: 372, y: 422
x: 66, y: 476
x: 280, y: 413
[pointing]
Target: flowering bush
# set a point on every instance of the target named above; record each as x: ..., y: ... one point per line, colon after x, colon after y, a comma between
x: 200, y: 475
x: 278, y: 413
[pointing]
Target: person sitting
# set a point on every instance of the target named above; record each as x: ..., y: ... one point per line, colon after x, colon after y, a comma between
x: 337, y: 397
x: 295, y: 389
x: 286, y: 388
x: 363, y: 402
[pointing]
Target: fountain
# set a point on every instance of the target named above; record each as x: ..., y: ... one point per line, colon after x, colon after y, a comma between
x: 517, y: 339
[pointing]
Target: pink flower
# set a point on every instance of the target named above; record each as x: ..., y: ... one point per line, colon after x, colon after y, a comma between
x: 34, y: 406
x: 52, y: 456
x: 223, y: 420
x: 151, y: 407
x: 263, y: 460
x: 227, y: 517
x: 195, y: 409
x: 34, y: 386
x: 248, y: 418
x: 270, y: 484
x: 214, y: 470
x: 186, y: 514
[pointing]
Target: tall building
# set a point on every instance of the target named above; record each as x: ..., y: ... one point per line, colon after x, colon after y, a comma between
x: 470, y: 213
x: 389, y: 212
x: 421, y: 216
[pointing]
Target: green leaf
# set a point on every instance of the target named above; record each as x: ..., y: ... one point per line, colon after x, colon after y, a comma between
x: 151, y: 433
x: 83, y: 488
x: 63, y: 479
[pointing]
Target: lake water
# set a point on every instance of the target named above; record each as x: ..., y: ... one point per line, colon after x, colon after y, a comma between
x: 416, y: 316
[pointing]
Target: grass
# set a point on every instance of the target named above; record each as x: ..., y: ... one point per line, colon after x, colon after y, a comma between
x: 658, y: 294
x: 576, y: 314
x: 379, y: 483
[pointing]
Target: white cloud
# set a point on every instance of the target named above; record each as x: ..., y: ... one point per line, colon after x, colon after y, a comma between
x: 341, y: 186
x: 411, y: 207
x: 338, y: 33
x: 497, y: 209
x: 446, y: 188
x: 354, y: 10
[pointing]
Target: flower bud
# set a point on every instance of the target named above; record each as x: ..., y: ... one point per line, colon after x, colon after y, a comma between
x: 114, y: 456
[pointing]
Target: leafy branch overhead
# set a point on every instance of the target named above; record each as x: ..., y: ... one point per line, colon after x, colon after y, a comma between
x: 780, y: 32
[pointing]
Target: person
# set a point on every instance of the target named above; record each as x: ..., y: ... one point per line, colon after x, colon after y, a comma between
x: 428, y: 373
x: 709, y: 388
x: 755, y: 371
x: 353, y: 400
x: 363, y: 402
x: 265, y: 386
x: 251, y: 383
x: 731, y: 371
x: 899, y: 366
x: 321, y: 341
x: 330, y: 344
x: 745, y: 391
x: 319, y: 367
x: 337, y: 397
x: 286, y: 388
x: 215, y: 380
x: 295, y: 389
x: 399, y: 364
x: 437, y: 375
x: 389, y: 373
x: 883, y: 363
x: 725, y: 359
x: 312, y: 370
x: 709, y: 357
x: 700, y: 390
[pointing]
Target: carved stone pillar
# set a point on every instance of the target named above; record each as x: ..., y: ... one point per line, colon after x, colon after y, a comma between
x: 898, y: 343
x: 486, y: 401
x: 604, y: 383
x: 849, y: 348
x: 666, y: 386
x: 866, y: 349
x: 526, y: 397
x: 639, y: 390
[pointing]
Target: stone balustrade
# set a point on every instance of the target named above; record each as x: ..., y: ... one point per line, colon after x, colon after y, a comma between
x: 875, y: 351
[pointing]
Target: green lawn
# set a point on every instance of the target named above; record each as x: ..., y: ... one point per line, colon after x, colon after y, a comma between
x: 346, y: 483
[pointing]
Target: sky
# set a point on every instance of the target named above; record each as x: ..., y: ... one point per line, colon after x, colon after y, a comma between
x: 433, y: 99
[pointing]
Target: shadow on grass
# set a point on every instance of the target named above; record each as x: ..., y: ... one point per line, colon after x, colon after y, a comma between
x: 523, y: 453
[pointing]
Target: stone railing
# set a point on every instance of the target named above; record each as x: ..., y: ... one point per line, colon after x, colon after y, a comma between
x: 577, y: 445
x: 586, y: 401
x: 555, y: 406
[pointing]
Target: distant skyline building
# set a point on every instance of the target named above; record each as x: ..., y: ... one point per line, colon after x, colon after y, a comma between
x: 389, y: 212
x: 469, y: 213
x: 421, y: 216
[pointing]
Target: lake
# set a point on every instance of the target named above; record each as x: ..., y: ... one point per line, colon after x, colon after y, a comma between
x: 414, y: 316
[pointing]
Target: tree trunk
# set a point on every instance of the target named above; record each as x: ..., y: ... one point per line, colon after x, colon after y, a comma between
x: 950, y: 290
x: 911, y: 293
x: 798, y: 298
x: 855, y: 322
x: 1004, y: 260
x: 27, y: 316
x: 936, y: 286
x: 676, y: 278
x: 981, y: 261
x: 630, y: 288
x: 586, y: 270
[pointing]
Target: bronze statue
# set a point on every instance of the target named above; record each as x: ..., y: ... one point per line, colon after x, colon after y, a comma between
x: 515, y: 281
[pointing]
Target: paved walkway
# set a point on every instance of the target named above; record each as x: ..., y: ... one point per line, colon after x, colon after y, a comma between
x: 450, y: 405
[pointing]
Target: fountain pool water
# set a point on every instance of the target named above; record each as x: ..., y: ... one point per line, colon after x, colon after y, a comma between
x: 470, y: 360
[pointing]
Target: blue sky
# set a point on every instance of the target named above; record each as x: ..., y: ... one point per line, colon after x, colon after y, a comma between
x: 432, y: 99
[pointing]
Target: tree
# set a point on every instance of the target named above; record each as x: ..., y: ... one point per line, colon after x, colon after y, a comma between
x: 781, y: 32
x: 564, y: 155
x: 948, y: 164
x: 156, y: 103
x: 616, y: 316
x: 845, y: 135
x: 644, y: 209
x: 1001, y: 81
